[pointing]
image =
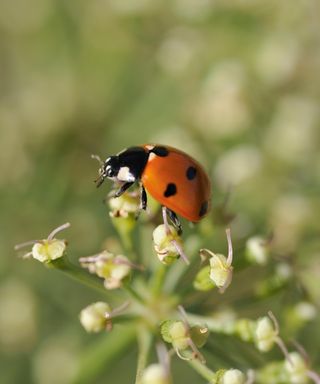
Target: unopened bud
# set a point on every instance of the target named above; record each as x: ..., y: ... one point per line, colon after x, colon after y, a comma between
x: 297, y: 369
x: 184, y: 337
x: 96, y: 317
x: 265, y: 334
x: 233, y: 376
x: 202, y: 281
x: 155, y: 374
x: 257, y: 250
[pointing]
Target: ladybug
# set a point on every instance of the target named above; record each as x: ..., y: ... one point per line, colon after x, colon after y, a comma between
x: 176, y: 180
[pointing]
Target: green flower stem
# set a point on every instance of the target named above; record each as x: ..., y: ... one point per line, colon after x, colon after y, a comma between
x: 124, y: 227
x: 133, y: 293
x: 178, y: 269
x: 76, y: 273
x: 100, y: 356
x: 156, y: 282
x: 144, y: 345
x: 212, y: 324
x: 203, y: 370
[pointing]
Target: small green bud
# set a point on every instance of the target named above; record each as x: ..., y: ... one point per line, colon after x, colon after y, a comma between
x: 155, y: 374
x: 183, y: 337
x: 257, y: 251
x: 113, y: 269
x: 96, y: 317
x: 175, y: 332
x: 164, y: 243
x: 49, y: 249
x: 165, y: 327
x: 265, y: 334
x: 202, y: 281
x: 233, y: 376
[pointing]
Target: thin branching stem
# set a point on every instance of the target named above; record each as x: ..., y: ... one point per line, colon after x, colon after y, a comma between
x: 144, y: 345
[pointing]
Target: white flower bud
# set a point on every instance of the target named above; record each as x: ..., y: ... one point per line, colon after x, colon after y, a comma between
x: 265, y: 334
x: 96, y: 317
x: 233, y: 376
x: 297, y: 369
x: 305, y: 311
x: 256, y: 250
x: 155, y: 374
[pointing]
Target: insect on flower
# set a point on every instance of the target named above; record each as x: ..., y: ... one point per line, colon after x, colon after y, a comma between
x: 176, y: 180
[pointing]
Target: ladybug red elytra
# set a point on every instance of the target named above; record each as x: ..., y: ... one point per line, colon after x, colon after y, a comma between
x: 171, y: 176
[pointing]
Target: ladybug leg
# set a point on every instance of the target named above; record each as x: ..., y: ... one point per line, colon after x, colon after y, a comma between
x: 143, y: 198
x: 175, y: 221
x: 143, y: 201
x: 165, y: 212
x: 122, y: 189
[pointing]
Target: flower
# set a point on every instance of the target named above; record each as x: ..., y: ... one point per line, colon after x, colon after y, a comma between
x: 265, y: 334
x: 96, y: 317
x: 113, y: 269
x: 167, y: 243
x: 125, y: 206
x: 48, y: 249
x: 184, y: 337
x: 220, y: 266
x: 220, y: 271
x: 297, y: 369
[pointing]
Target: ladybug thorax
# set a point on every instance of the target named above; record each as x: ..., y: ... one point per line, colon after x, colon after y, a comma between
x: 127, y: 166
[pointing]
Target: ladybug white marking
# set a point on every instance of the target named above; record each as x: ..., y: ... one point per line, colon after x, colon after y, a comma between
x: 151, y: 156
x: 124, y: 174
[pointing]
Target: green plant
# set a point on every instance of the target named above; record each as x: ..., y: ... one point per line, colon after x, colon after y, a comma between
x: 158, y: 303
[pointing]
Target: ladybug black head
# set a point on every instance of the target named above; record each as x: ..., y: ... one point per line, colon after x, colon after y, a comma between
x: 109, y: 168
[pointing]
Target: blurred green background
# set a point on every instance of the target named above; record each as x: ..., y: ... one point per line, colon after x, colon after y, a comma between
x: 234, y: 83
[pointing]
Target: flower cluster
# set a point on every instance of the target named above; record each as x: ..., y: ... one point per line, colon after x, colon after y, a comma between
x: 151, y: 298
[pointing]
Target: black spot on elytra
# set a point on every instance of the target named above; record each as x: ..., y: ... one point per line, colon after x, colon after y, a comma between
x: 171, y: 190
x: 191, y: 173
x: 203, y: 208
x: 160, y: 151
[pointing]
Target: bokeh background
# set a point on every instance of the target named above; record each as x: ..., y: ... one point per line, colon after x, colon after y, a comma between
x: 234, y: 83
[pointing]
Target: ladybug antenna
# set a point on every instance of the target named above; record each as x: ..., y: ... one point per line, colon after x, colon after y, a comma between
x: 97, y: 157
x: 100, y: 179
